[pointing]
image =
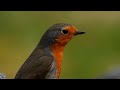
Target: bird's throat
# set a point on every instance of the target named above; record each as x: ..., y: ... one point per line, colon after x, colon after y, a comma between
x: 58, y: 55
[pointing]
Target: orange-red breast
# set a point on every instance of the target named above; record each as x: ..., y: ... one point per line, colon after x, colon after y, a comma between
x: 45, y: 61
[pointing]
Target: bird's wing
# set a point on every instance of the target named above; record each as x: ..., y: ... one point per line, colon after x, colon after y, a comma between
x: 35, y: 68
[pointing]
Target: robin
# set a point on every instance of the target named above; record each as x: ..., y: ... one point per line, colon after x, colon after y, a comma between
x: 45, y: 61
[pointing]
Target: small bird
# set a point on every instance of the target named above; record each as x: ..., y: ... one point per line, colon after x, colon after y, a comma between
x: 46, y: 59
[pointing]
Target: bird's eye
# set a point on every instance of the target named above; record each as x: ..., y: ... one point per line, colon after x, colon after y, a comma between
x: 64, y: 31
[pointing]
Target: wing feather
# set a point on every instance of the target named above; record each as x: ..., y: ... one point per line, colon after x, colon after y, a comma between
x: 35, y: 67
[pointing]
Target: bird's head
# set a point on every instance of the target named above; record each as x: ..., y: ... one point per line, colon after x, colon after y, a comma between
x: 59, y: 34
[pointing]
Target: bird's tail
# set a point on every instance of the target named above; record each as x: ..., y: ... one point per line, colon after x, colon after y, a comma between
x: 2, y: 76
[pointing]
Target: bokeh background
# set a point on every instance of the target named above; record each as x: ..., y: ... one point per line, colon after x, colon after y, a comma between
x: 86, y: 56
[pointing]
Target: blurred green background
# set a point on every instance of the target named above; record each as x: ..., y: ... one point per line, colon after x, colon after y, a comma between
x: 85, y: 56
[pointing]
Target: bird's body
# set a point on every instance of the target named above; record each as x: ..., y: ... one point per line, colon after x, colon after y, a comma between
x: 38, y: 65
x: 46, y: 59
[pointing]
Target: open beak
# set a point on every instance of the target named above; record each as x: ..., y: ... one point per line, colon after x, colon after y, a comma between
x: 79, y: 32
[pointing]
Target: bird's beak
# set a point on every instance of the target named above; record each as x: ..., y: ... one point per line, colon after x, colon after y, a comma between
x: 79, y: 32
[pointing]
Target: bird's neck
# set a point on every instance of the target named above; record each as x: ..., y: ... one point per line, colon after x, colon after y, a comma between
x: 57, y: 51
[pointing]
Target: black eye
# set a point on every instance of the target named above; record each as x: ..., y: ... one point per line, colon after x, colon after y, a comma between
x: 65, y: 31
